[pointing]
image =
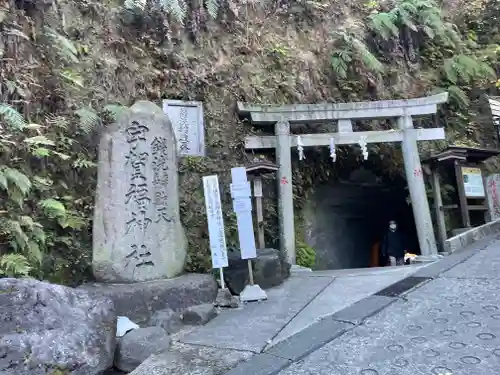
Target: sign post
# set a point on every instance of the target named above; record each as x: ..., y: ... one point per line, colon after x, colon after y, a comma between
x: 216, y: 234
x: 257, y: 193
x: 242, y: 206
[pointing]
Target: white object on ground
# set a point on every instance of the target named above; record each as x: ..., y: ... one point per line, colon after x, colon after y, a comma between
x: 426, y: 258
x: 296, y: 268
x: 252, y: 293
x: 124, y: 325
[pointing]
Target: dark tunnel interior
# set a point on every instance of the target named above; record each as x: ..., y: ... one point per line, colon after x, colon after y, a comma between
x: 344, y: 219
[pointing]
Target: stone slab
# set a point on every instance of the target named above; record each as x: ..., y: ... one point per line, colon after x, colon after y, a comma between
x: 187, y: 119
x: 260, y: 364
x: 403, y: 286
x: 184, y: 359
x: 361, y: 310
x: 137, y: 232
x: 449, y: 325
x: 138, y: 345
x: 372, y: 271
x: 470, y: 236
x: 252, y: 326
x: 139, y: 301
x: 343, y: 292
x: 310, y: 339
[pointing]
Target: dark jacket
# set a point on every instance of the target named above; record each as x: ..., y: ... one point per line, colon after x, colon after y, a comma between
x: 393, y: 245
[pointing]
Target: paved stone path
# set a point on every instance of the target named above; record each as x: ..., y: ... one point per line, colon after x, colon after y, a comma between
x: 302, y: 300
x: 449, y: 326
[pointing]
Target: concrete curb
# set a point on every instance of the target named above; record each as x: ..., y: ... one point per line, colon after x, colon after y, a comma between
x: 461, y: 255
x: 315, y: 336
x: 471, y: 236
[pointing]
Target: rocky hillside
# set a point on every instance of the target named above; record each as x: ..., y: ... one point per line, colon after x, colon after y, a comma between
x: 68, y: 67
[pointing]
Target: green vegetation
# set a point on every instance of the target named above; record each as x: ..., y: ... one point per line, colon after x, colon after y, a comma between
x: 305, y: 255
x: 69, y: 68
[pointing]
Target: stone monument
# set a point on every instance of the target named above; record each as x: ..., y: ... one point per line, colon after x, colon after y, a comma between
x: 137, y: 234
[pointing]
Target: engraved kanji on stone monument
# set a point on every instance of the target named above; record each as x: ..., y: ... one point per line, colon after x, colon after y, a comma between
x: 137, y: 231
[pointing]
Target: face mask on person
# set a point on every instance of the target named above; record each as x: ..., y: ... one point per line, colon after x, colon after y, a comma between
x: 393, y: 226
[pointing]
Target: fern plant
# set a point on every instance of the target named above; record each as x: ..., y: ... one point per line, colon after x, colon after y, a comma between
x: 419, y: 16
x: 461, y: 71
x: 351, y: 49
x: 21, y: 232
x: 177, y: 9
x: 466, y: 69
x: 306, y: 255
x: 12, y: 118
x: 24, y: 234
x: 69, y: 55
x: 14, y: 265
x: 90, y: 119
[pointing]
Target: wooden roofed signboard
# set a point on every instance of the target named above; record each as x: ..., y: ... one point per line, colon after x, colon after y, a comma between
x: 474, y: 193
x: 282, y: 117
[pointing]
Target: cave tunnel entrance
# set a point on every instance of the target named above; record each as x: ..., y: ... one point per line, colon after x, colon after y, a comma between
x: 345, y: 218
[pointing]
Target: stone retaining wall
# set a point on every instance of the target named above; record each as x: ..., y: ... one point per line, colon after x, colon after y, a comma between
x: 470, y: 236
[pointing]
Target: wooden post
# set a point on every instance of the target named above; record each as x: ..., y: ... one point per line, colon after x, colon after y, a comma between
x: 487, y: 213
x: 438, y: 207
x: 257, y: 193
x: 250, y: 272
x: 464, y: 209
x: 285, y: 191
x: 415, y: 179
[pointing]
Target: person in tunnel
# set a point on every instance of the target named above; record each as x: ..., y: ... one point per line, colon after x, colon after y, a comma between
x: 393, y: 246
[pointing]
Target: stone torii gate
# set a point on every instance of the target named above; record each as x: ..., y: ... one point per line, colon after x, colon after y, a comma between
x: 403, y: 110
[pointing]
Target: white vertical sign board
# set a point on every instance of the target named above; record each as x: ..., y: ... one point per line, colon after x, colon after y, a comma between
x: 215, y: 222
x: 187, y: 122
x: 242, y: 206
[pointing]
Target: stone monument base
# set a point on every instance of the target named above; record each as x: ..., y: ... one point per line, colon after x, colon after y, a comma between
x: 141, y: 301
x: 253, y: 293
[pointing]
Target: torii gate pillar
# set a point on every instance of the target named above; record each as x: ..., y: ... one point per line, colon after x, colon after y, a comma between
x: 285, y: 190
x: 416, y: 185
